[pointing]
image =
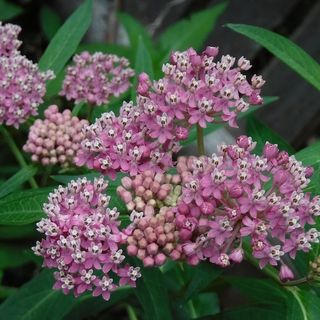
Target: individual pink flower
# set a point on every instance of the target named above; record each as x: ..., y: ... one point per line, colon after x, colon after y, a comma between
x: 96, y: 78
x: 286, y: 273
x: 56, y: 139
x: 82, y: 240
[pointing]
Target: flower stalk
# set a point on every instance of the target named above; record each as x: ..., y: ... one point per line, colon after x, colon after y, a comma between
x: 16, y: 152
x: 200, y: 141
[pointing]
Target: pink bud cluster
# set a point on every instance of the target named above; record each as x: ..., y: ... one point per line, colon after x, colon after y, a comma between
x: 9, y: 42
x: 151, y: 198
x: 82, y: 240
x: 123, y: 143
x: 22, y: 85
x: 56, y: 139
x: 197, y: 89
x: 236, y: 194
x: 95, y: 78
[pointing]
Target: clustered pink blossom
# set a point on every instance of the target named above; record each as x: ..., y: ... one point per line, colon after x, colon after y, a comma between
x: 236, y: 194
x: 56, y: 139
x: 146, y: 136
x: 22, y: 88
x: 82, y: 240
x: 22, y: 85
x: 9, y: 42
x: 197, y: 89
x: 97, y: 77
x: 151, y: 198
x: 125, y: 143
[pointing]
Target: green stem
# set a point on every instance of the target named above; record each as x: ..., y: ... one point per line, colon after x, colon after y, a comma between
x: 200, y: 141
x: 131, y: 313
x: 17, y: 153
x: 296, y: 282
x: 46, y: 175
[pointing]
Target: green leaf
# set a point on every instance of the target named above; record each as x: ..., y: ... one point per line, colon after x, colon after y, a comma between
x: 67, y: 39
x: 204, y: 304
x: 153, y: 295
x: 261, y: 134
x: 191, y: 32
x: 296, y: 309
x: 202, y: 276
x: 12, y: 256
x: 9, y: 10
x: 135, y: 31
x: 287, y: 51
x: 87, y: 307
x: 312, y: 304
x: 50, y: 22
x: 17, y: 180
x: 213, y: 127
x: 76, y: 109
x: 37, y: 300
x: 23, y: 207
x: 13, y: 232
x: 259, y: 290
x: 263, y: 312
x: 310, y: 155
x: 143, y: 64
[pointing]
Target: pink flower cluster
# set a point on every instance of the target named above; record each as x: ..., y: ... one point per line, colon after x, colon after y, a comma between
x: 82, y: 240
x: 146, y: 136
x: 9, y: 42
x: 151, y: 199
x: 197, y: 89
x: 56, y: 139
x: 22, y: 85
x: 125, y: 143
x: 236, y: 194
x: 95, y: 78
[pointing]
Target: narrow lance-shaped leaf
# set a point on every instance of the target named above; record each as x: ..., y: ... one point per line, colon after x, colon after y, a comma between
x: 67, y: 39
x: 143, y: 64
x: 17, y: 180
x: 153, y: 295
x: 9, y: 10
x: 201, y: 278
x: 261, y: 133
x: 191, y: 32
x: 286, y: 50
x: 135, y: 31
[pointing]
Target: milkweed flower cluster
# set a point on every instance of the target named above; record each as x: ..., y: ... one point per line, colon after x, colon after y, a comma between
x: 124, y: 143
x: 236, y: 194
x: 151, y: 198
x: 198, y: 89
x: 9, y: 42
x: 22, y: 85
x: 56, y: 139
x: 82, y: 240
x: 97, y: 77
